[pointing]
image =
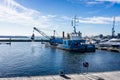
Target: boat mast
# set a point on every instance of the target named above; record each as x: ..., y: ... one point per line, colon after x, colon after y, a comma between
x: 113, y: 30
x: 74, y: 24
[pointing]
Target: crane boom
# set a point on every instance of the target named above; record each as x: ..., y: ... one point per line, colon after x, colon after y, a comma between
x: 42, y: 33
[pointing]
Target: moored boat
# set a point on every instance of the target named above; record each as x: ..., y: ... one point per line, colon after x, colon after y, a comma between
x: 73, y: 42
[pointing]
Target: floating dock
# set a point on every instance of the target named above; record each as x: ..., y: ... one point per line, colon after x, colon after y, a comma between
x: 109, y: 49
x: 25, y: 40
x: 115, y: 75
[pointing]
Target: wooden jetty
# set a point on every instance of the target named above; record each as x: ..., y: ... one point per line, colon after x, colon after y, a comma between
x: 115, y: 75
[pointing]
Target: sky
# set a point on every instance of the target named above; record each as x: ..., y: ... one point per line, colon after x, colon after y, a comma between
x: 18, y: 17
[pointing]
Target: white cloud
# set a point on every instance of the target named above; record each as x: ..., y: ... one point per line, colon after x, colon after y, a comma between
x: 95, y: 20
x: 113, y: 1
x: 101, y: 1
x: 12, y: 13
x: 99, y: 20
x: 93, y: 2
x: 66, y: 18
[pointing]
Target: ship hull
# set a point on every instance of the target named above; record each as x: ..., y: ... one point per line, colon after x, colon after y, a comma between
x: 81, y: 48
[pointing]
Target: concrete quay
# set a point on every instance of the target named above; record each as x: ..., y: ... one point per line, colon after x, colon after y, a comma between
x: 115, y: 75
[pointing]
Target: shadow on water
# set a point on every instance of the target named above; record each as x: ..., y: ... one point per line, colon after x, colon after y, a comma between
x: 22, y: 59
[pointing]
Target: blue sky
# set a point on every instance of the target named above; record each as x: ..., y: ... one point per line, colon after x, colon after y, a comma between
x: 18, y: 17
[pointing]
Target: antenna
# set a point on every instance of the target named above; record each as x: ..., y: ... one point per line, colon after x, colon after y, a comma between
x: 113, y: 30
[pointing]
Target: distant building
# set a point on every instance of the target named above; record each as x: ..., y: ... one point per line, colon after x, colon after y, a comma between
x: 118, y: 35
x: 107, y: 36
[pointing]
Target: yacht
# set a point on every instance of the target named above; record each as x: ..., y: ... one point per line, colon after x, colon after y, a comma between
x: 114, y: 42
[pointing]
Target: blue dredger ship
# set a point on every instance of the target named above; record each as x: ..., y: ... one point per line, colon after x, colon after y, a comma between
x: 73, y: 42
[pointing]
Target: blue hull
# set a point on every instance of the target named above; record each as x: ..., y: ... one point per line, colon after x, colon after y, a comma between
x: 80, y: 48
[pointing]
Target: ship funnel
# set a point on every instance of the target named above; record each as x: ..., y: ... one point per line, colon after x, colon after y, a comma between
x: 63, y: 34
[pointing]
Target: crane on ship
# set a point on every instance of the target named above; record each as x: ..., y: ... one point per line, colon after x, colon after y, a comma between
x: 41, y: 32
x: 113, y: 30
x: 52, y: 40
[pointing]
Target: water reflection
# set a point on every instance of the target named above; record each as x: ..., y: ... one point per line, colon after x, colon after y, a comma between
x: 32, y: 59
x: 32, y: 49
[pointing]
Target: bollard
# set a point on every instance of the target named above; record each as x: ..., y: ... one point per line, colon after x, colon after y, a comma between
x: 61, y: 73
x: 86, y: 65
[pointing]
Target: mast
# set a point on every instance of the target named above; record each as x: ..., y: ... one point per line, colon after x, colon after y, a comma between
x: 75, y: 35
x: 74, y: 23
x: 113, y: 30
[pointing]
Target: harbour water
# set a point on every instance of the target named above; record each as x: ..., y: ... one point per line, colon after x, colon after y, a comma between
x: 34, y: 59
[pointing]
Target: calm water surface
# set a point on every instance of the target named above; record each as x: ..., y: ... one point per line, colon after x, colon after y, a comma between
x: 33, y: 59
